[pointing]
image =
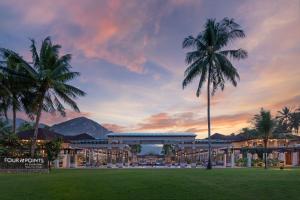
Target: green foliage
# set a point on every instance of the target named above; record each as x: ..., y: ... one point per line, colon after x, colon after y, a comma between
x: 25, y: 126
x: 264, y: 123
x: 168, y: 149
x: 136, y: 148
x: 288, y: 120
x: 9, y: 142
x: 241, y: 162
x: 41, y: 85
x: 211, y: 62
x: 208, y: 59
x: 148, y: 184
x: 53, y: 148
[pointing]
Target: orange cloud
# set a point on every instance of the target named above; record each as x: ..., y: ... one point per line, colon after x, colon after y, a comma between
x: 115, y: 128
x: 189, y: 122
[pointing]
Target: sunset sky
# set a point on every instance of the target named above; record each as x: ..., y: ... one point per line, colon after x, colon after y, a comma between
x: 131, y: 62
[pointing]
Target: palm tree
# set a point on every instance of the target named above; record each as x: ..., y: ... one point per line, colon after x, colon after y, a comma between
x: 4, y: 94
x: 284, y: 114
x: 210, y: 61
x: 49, y: 74
x: 264, y: 124
x: 284, y: 118
x: 11, y: 82
x: 135, y: 149
x: 14, y: 79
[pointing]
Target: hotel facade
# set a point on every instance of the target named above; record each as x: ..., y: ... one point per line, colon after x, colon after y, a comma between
x: 118, y: 150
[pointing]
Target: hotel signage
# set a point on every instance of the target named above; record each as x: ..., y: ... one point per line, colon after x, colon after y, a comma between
x: 23, y: 163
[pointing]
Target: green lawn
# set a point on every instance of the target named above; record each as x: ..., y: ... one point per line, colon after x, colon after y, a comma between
x: 138, y: 184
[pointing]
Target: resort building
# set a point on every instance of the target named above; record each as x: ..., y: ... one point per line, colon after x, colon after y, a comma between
x: 184, y: 150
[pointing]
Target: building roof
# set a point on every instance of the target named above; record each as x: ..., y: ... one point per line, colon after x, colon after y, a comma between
x: 233, y: 138
x: 43, y: 134
x: 83, y: 136
x: 151, y: 135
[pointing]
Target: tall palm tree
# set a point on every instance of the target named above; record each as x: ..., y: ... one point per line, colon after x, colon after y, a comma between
x: 284, y: 114
x: 264, y: 124
x: 211, y: 62
x: 14, y: 79
x: 52, y: 73
x: 135, y: 149
x: 284, y: 117
x: 49, y: 74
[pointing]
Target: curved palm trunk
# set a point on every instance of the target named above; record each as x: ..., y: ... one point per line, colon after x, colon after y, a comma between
x: 36, y: 129
x: 14, y: 110
x: 266, y: 154
x: 209, y: 165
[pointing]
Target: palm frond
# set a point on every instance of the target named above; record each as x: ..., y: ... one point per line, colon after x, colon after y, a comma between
x: 35, y: 55
x: 235, y: 54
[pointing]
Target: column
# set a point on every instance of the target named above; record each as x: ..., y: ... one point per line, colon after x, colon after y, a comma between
x: 193, y: 157
x: 182, y: 158
x: 270, y: 156
x: 240, y: 155
x: 109, y: 158
x: 249, y: 157
x: 282, y: 157
x: 68, y: 161
x: 120, y: 157
x: 91, y: 157
x: 295, y: 158
x: 255, y: 156
x: 75, y: 165
x: 225, y: 160
x: 232, y: 160
x: 126, y: 158
x: 56, y: 163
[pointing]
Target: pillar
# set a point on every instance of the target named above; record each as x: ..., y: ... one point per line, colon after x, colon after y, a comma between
x: 193, y: 165
x: 68, y: 161
x: 255, y: 156
x: 126, y: 158
x: 232, y: 160
x: 240, y: 155
x: 182, y: 158
x: 75, y: 164
x: 109, y: 158
x: 90, y: 157
x: 56, y: 163
x: 120, y: 159
x: 282, y: 157
x: 225, y: 160
x: 249, y: 157
x: 270, y: 156
x: 295, y: 158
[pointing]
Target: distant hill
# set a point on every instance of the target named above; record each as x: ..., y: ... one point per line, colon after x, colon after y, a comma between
x: 232, y: 137
x: 81, y: 125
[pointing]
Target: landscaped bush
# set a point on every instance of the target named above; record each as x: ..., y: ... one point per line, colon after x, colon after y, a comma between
x: 257, y: 163
x: 241, y: 162
x: 273, y: 162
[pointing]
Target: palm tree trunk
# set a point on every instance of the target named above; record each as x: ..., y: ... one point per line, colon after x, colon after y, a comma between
x: 266, y: 154
x: 14, y: 110
x: 36, y: 129
x: 209, y: 165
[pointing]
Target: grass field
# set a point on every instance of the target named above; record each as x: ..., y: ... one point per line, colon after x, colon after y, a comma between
x: 138, y: 184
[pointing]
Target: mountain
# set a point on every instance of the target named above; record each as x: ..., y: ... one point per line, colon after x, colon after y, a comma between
x: 232, y: 137
x: 81, y: 125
